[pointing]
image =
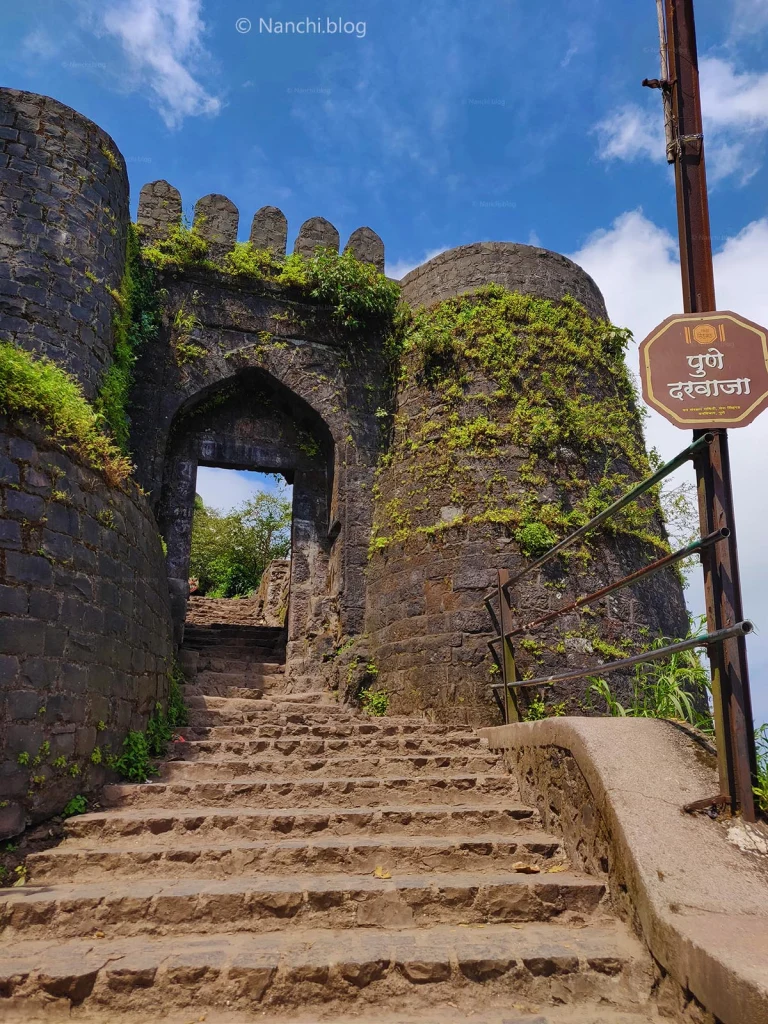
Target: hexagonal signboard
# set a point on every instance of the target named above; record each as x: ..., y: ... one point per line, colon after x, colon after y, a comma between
x: 706, y: 370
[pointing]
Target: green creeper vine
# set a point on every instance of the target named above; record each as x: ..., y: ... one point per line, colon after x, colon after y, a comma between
x: 527, y: 382
x: 135, y: 323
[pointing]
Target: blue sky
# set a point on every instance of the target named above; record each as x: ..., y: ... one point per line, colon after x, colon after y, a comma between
x: 439, y: 124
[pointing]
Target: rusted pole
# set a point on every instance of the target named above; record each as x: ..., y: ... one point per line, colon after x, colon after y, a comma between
x: 722, y: 585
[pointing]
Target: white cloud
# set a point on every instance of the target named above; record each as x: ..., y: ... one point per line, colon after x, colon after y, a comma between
x: 749, y: 17
x: 631, y: 133
x: 635, y: 263
x: 735, y: 109
x: 400, y: 268
x: 225, y: 489
x: 162, y: 40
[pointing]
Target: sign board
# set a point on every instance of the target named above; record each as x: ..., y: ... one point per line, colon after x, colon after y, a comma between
x: 705, y: 370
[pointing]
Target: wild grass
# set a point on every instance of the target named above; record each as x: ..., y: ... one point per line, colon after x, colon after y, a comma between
x: 35, y: 386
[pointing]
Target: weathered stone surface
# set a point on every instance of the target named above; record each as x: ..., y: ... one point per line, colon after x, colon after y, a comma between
x: 269, y: 230
x: 366, y: 246
x: 76, y: 673
x: 315, y: 233
x: 159, y: 209
x: 64, y: 216
x: 520, y: 268
x: 216, y: 219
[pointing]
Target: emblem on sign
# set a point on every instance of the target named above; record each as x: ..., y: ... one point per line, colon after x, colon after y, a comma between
x: 706, y: 370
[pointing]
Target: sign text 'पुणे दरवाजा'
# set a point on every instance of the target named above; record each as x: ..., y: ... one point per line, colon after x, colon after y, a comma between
x: 706, y: 370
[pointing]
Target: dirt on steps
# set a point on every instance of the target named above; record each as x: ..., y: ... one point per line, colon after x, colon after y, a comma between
x: 295, y: 858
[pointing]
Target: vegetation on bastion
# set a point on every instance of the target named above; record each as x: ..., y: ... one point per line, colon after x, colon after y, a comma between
x: 560, y: 405
x: 37, y: 387
x: 357, y: 293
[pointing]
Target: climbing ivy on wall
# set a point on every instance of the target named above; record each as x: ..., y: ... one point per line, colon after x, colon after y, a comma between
x: 135, y: 322
x: 534, y: 386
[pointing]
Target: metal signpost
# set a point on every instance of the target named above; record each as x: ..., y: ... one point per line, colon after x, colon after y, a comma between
x: 707, y: 370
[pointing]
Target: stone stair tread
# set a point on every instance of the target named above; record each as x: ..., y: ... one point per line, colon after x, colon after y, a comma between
x: 183, y: 855
x: 604, y: 945
x: 325, y: 730
x: 438, y: 1014
x: 333, y: 782
x: 378, y: 789
x: 515, y: 809
x: 323, y: 762
x: 310, y: 747
x: 315, y: 883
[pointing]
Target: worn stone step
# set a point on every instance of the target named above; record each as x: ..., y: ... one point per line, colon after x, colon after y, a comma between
x: 289, y: 792
x: 251, y: 655
x: 260, y: 680
x: 202, y: 824
x: 245, y: 629
x: 225, y: 690
x: 307, y: 746
x: 214, y: 663
x: 302, y: 968
x: 219, y: 854
x: 436, y: 1014
x: 298, y: 726
x: 263, y: 903
x: 232, y: 643
x: 271, y: 709
x: 174, y: 855
x: 379, y: 765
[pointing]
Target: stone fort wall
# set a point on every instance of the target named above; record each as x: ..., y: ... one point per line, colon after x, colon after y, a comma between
x: 63, y: 222
x: 427, y: 623
x: 86, y: 609
x: 85, y: 630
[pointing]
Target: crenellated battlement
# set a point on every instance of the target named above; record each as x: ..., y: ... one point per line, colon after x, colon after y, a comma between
x: 217, y: 220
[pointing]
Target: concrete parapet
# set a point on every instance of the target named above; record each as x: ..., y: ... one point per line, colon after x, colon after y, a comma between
x: 617, y: 788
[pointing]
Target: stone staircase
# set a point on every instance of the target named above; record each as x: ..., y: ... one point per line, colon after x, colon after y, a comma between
x: 297, y: 861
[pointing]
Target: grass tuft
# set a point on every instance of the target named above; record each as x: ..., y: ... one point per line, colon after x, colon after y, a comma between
x: 35, y: 386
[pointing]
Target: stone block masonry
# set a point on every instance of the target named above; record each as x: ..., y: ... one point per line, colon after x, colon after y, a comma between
x: 63, y: 223
x: 85, y: 633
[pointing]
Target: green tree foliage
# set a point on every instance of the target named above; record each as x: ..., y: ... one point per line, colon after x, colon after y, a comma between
x: 231, y: 551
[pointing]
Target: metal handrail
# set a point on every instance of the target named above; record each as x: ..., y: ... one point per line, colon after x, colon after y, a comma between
x: 639, y: 489
x: 662, y: 563
x: 740, y: 629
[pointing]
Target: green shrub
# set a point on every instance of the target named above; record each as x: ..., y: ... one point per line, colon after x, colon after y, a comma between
x: 183, y: 248
x: 178, y: 713
x: 246, y: 261
x: 374, y: 702
x: 134, y: 763
x: 159, y: 732
x: 538, y: 710
x: 761, y: 789
x: 535, y: 539
x: 359, y: 294
x: 37, y: 387
x: 77, y: 805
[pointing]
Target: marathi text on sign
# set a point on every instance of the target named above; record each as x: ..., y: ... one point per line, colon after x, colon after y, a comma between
x: 726, y: 385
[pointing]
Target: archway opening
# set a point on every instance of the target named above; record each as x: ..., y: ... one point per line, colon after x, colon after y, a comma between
x: 240, y: 548
x: 250, y: 424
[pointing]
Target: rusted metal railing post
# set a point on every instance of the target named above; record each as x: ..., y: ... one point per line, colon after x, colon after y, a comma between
x: 730, y: 675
